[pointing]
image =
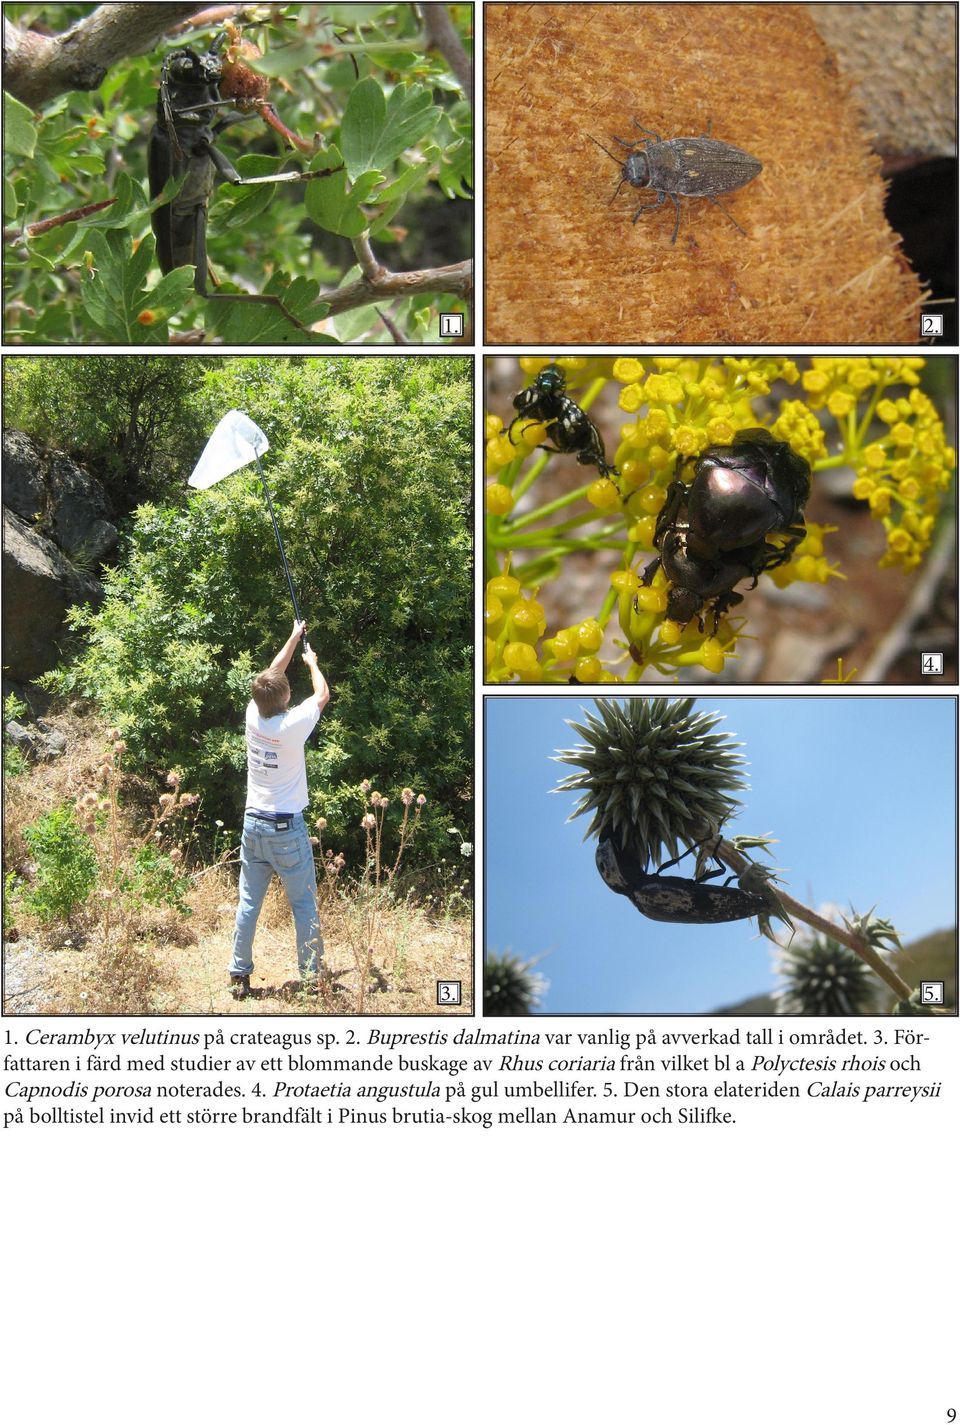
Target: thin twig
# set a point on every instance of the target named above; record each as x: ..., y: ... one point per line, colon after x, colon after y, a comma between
x: 442, y: 33
x: 367, y: 261
x: 46, y: 224
x: 392, y: 328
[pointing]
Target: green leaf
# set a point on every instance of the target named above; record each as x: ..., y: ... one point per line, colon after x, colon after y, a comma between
x: 374, y: 132
x: 114, y: 294
x: 173, y: 291
x: 362, y: 125
x: 332, y: 207
x: 11, y: 206
x: 255, y: 323
x: 411, y: 114
x: 390, y: 199
x: 19, y: 130
x: 353, y: 324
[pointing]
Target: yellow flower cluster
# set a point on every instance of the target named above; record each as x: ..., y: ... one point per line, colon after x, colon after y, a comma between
x: 676, y: 407
x: 903, y: 474
x: 514, y: 624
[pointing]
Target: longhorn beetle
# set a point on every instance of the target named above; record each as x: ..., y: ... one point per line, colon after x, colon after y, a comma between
x: 675, y: 898
x: 182, y: 146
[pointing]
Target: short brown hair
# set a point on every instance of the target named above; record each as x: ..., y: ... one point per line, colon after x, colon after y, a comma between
x: 271, y: 693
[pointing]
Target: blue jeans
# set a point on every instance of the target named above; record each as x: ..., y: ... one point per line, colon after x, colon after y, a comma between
x: 263, y: 850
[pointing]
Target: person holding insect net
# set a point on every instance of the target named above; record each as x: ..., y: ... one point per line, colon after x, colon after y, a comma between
x: 275, y: 837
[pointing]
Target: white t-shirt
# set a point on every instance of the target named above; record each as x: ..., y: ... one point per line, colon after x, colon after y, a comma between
x: 276, y: 768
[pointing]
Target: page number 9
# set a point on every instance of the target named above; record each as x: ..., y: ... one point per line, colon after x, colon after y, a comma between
x: 951, y: 1416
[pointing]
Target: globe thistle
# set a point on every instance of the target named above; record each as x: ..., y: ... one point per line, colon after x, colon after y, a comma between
x: 654, y: 772
x: 823, y: 977
x: 510, y: 985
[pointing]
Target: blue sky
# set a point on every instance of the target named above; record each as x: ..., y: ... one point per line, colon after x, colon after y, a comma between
x: 858, y: 790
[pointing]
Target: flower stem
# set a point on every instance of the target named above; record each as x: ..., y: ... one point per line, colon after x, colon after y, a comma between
x: 739, y: 863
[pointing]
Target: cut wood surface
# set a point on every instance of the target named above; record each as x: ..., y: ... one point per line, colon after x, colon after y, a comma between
x: 819, y: 262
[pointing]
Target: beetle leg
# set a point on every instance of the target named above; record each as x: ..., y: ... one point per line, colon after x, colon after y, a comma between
x: 717, y: 204
x: 647, y: 576
x: 702, y: 854
x: 223, y: 166
x: 676, y: 491
x: 676, y: 226
x: 523, y: 428
x: 200, y: 250
x: 720, y: 606
x: 230, y: 175
x: 637, y: 125
x: 647, y: 207
x: 773, y: 557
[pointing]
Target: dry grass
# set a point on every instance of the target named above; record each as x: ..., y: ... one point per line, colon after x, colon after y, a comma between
x: 154, y: 960
x: 164, y: 975
x: 412, y: 953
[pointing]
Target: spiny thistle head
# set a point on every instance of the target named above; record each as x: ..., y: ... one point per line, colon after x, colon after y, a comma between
x: 823, y: 977
x: 654, y: 772
x: 510, y: 985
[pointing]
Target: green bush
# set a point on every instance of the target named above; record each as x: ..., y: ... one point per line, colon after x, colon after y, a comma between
x: 154, y: 878
x: 66, y: 866
x: 131, y: 419
x: 14, y: 760
x: 370, y: 468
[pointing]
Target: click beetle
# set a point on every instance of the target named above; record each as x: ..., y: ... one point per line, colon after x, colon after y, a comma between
x: 569, y: 427
x: 681, y: 899
x: 682, y: 168
x: 712, y: 532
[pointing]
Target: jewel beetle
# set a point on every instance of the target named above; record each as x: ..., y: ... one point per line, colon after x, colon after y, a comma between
x: 713, y: 532
x: 682, y: 168
x: 570, y: 428
x: 681, y: 899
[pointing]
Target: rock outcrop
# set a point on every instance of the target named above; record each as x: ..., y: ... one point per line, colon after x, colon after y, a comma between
x: 39, y: 585
x: 57, y: 530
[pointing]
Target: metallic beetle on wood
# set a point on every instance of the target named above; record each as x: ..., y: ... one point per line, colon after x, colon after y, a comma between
x: 682, y: 168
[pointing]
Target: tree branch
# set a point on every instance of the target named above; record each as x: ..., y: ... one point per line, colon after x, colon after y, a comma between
x: 378, y: 283
x: 39, y: 68
x: 442, y: 33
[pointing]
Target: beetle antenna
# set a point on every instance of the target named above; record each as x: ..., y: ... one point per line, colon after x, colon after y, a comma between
x: 606, y: 150
x: 617, y: 161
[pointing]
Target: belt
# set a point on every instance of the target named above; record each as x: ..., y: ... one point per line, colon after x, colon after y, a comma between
x: 270, y: 815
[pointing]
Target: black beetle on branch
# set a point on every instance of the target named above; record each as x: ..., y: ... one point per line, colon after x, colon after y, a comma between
x: 182, y: 147
x: 682, y: 900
